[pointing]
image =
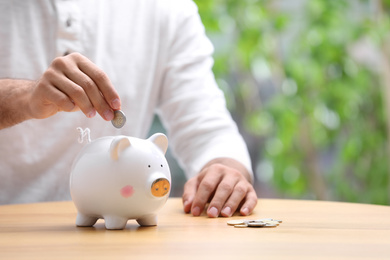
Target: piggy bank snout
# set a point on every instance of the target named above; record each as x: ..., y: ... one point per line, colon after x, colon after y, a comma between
x: 160, y: 187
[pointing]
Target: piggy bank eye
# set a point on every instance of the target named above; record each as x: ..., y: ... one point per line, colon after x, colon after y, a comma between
x: 161, y: 165
x: 149, y: 165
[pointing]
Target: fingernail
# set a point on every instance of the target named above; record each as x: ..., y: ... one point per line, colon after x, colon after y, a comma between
x: 116, y: 103
x: 91, y: 114
x: 227, y: 212
x: 196, y: 211
x: 185, y: 205
x: 245, y: 211
x: 108, y: 115
x: 212, y: 212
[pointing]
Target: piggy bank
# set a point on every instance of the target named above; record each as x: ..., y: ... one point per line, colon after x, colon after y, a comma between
x: 118, y: 178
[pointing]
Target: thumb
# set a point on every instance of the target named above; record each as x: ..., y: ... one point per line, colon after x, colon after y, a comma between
x: 189, y: 192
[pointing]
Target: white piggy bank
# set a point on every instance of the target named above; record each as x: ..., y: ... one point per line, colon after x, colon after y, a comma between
x: 120, y: 178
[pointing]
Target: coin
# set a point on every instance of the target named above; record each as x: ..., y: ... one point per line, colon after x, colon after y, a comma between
x: 119, y: 119
x: 264, y: 219
x: 235, y: 222
x: 272, y: 222
x: 241, y: 226
x: 256, y: 224
x: 270, y: 225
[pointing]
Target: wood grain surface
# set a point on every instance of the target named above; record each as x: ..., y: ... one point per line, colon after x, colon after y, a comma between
x: 310, y: 230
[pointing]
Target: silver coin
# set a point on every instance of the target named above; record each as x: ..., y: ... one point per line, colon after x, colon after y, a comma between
x: 235, y: 222
x: 272, y: 222
x: 119, y: 119
x: 268, y: 225
x: 263, y: 219
x: 241, y: 226
x: 256, y: 224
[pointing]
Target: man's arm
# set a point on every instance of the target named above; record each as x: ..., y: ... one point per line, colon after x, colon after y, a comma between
x: 71, y: 83
x: 193, y: 110
x: 14, y: 98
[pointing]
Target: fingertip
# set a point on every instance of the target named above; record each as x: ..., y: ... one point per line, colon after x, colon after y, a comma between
x: 248, y: 207
x: 227, y: 212
x: 108, y: 115
x: 116, y: 104
x: 188, y: 195
x: 91, y: 114
x: 212, y: 212
x: 196, y: 211
x: 187, y: 206
x: 245, y: 211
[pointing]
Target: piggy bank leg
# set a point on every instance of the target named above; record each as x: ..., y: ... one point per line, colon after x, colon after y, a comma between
x: 150, y: 220
x: 84, y: 220
x: 115, y: 222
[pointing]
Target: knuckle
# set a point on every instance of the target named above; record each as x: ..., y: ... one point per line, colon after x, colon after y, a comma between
x: 254, y: 203
x: 87, y: 84
x: 207, y: 186
x: 251, y: 200
x: 217, y: 202
x: 253, y: 197
x: 100, y: 76
x: 226, y: 187
x: 64, y: 103
x: 240, y: 189
x: 185, y: 187
x: 217, y: 167
x: 237, y: 174
x: 189, y: 183
x: 223, y: 169
x: 100, y: 107
x: 75, y: 91
x: 74, y: 55
x: 59, y: 62
x: 49, y: 74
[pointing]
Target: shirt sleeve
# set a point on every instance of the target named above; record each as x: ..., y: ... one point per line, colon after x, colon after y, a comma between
x: 192, y: 108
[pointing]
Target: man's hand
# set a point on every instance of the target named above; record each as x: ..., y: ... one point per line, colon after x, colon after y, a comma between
x: 73, y: 83
x: 224, y: 183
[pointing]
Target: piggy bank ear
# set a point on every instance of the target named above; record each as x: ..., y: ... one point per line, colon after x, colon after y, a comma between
x: 160, y: 140
x: 118, y: 145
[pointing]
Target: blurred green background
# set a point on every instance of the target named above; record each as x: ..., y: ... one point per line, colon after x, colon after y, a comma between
x: 308, y: 83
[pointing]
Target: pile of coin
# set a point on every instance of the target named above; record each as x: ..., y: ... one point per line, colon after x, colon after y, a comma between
x: 258, y: 223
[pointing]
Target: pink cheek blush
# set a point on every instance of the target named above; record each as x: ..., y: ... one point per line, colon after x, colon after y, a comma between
x: 127, y: 191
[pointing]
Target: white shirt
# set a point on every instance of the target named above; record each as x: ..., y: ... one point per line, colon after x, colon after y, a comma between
x: 158, y: 58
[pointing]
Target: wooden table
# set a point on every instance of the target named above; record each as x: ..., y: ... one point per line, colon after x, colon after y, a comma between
x: 310, y: 230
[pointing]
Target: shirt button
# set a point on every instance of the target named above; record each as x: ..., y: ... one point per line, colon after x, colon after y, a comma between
x: 69, y: 22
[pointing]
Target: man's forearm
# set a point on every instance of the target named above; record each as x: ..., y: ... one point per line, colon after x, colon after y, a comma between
x: 14, y: 100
